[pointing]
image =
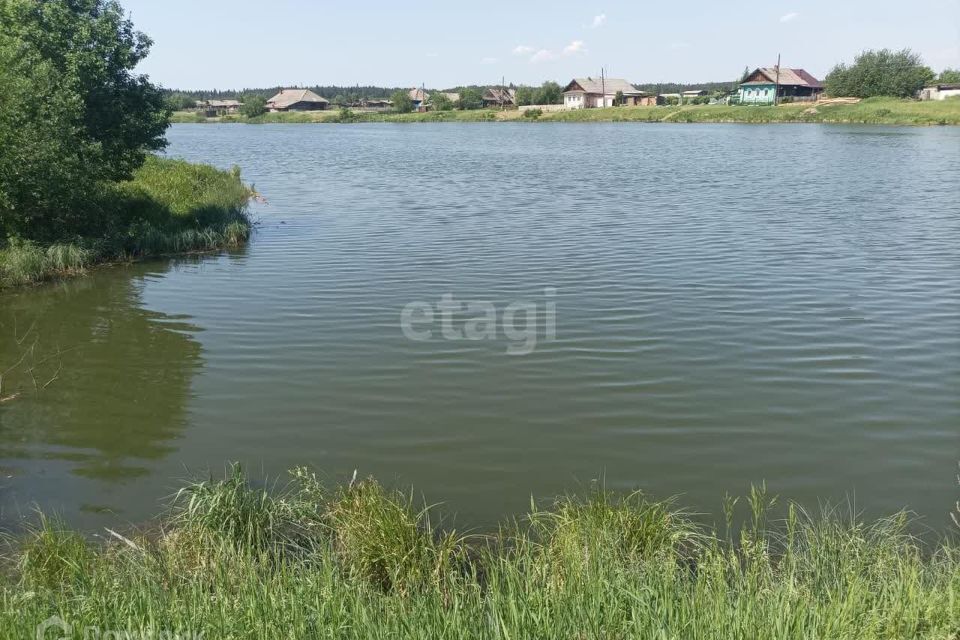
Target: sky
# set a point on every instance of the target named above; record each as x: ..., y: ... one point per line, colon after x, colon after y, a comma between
x: 251, y: 43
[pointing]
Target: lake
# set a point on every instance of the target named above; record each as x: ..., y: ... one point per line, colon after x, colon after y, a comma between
x: 729, y: 305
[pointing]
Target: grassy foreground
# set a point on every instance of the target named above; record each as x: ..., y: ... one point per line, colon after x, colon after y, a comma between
x: 169, y: 207
x: 360, y: 561
x: 888, y: 111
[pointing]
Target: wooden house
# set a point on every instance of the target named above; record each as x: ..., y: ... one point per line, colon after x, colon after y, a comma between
x: 212, y: 108
x: 419, y: 98
x: 768, y: 85
x: 588, y: 93
x: 499, y: 97
x: 297, y: 100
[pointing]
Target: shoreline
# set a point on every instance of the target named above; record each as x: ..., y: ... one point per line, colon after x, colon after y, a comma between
x: 872, y: 111
x: 231, y: 559
x: 170, y: 208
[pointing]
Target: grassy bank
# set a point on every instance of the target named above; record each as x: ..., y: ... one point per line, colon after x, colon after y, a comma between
x: 887, y: 111
x: 169, y: 207
x: 360, y: 561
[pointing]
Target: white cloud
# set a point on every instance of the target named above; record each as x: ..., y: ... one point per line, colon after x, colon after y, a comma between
x: 488, y: 61
x: 789, y: 17
x: 599, y: 21
x: 679, y: 45
x: 433, y: 55
x: 544, y: 55
x: 523, y: 50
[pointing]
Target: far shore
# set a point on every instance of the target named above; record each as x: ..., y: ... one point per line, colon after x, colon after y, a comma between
x: 881, y: 111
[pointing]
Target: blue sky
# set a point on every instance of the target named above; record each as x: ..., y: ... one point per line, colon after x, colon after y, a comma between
x: 245, y: 43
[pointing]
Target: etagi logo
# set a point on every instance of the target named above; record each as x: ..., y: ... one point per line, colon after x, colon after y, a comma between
x: 518, y: 321
x: 56, y: 628
x: 58, y: 624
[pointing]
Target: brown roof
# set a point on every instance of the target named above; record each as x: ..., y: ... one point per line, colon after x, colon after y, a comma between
x: 289, y: 97
x: 224, y: 103
x: 418, y: 95
x: 788, y: 77
x: 595, y: 85
x: 498, y: 94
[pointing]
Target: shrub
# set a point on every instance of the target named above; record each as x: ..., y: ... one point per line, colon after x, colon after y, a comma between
x: 533, y: 113
x: 401, y: 101
x: 253, y: 106
x: 880, y: 73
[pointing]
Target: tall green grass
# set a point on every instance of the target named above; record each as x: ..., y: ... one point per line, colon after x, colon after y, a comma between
x: 362, y: 561
x: 169, y: 207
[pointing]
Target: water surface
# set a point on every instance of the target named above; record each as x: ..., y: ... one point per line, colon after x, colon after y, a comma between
x: 735, y: 304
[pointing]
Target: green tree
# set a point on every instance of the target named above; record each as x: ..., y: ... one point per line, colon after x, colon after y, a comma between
x: 180, y: 102
x: 253, y: 106
x: 401, y: 101
x: 73, y: 114
x: 949, y: 76
x: 441, y: 102
x: 470, y: 98
x: 550, y: 93
x: 525, y: 95
x: 880, y: 73
x: 618, y: 99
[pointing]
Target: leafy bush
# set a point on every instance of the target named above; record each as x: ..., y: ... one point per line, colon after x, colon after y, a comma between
x: 253, y: 106
x: 441, y: 102
x: 898, y: 74
x: 470, y: 98
x: 549, y: 93
x: 949, y: 76
x: 533, y: 113
x: 401, y: 101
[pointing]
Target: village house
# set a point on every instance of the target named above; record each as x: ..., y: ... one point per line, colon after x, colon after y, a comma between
x: 218, y: 107
x: 376, y: 104
x: 761, y: 86
x: 419, y: 98
x: 694, y: 93
x: 588, y: 93
x: 940, y: 91
x: 297, y: 100
x: 499, y: 97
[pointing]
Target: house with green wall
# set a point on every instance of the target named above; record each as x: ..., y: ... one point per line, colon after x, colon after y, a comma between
x: 766, y: 83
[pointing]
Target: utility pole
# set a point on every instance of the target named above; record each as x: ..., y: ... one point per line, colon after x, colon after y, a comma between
x: 603, y: 88
x: 776, y: 88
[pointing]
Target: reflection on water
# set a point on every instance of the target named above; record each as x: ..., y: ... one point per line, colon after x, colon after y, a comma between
x: 102, y: 382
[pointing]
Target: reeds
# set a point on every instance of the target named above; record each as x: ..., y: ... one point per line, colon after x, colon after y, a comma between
x: 362, y: 561
x: 170, y: 207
